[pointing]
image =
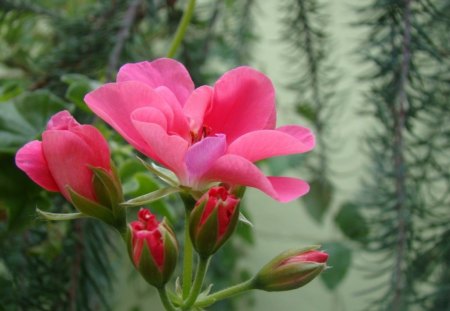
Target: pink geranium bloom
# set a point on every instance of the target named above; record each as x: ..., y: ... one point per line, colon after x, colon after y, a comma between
x: 204, y: 135
x: 64, y: 156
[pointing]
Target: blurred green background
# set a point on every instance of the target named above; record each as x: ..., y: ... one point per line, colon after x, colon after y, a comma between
x: 370, y: 77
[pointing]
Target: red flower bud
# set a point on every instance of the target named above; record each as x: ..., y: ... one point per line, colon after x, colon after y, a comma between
x: 291, y: 270
x: 153, y: 248
x: 213, y: 220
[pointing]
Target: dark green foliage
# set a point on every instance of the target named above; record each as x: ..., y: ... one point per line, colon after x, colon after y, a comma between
x: 407, y: 197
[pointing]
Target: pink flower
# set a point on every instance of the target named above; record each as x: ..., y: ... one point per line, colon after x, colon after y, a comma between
x: 64, y: 156
x: 204, y: 135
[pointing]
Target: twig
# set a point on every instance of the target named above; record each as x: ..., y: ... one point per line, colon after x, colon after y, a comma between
x: 122, y: 37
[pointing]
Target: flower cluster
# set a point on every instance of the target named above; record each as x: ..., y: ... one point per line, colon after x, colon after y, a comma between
x: 210, y: 138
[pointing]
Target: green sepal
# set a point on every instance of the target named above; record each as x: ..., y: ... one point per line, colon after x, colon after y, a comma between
x: 148, y: 268
x: 170, y: 251
x: 107, y: 189
x: 207, y: 235
x: 91, y: 208
x: 150, y: 197
x: 59, y: 216
x: 231, y: 227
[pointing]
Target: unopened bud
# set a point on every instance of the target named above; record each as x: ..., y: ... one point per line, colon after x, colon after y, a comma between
x: 291, y: 269
x: 213, y: 220
x: 153, y: 248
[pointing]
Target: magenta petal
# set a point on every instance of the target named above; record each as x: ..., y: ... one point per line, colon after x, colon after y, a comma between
x: 244, y: 101
x: 68, y: 157
x: 31, y: 160
x: 115, y: 102
x: 166, y: 149
x: 197, y: 106
x: 236, y: 170
x: 263, y: 144
x: 161, y: 72
x: 204, y: 153
x: 63, y: 120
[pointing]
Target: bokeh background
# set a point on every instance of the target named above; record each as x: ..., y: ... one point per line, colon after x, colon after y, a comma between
x: 370, y: 77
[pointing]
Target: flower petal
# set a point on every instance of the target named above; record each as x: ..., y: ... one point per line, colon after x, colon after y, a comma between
x: 31, y: 160
x: 63, y: 120
x: 114, y: 103
x: 97, y: 144
x: 68, y: 157
x: 263, y: 144
x: 244, y: 101
x: 203, y: 154
x: 197, y: 106
x: 161, y: 72
x: 168, y: 150
x: 237, y: 170
x: 179, y: 123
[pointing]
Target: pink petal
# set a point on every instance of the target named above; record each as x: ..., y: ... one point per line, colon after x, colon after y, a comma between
x: 244, y: 101
x: 63, y: 120
x: 161, y: 72
x: 68, y: 157
x: 236, y: 170
x: 97, y: 144
x: 204, y: 153
x: 31, y: 160
x: 179, y: 123
x: 263, y: 144
x: 197, y: 105
x: 167, y: 149
x: 114, y: 103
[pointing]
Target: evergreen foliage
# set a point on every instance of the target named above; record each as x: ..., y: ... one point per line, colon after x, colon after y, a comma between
x: 407, y: 197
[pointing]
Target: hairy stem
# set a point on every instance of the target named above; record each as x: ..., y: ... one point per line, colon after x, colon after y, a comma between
x: 165, y: 299
x: 202, y: 267
x: 226, y: 293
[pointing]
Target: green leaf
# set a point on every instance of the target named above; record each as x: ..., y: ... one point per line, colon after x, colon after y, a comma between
x: 340, y: 258
x: 25, y: 117
x: 307, y: 112
x: 351, y: 222
x: 79, y: 86
x: 318, y: 199
x: 10, y: 89
x: 91, y: 208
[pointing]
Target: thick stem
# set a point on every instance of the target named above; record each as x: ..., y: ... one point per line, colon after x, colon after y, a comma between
x: 202, y: 267
x: 165, y: 300
x: 226, y: 293
x: 181, y: 30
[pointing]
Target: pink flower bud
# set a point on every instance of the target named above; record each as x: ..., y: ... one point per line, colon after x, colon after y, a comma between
x: 213, y: 220
x: 291, y: 270
x: 153, y: 248
x: 74, y: 159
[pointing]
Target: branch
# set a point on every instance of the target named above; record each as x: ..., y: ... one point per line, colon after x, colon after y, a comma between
x: 122, y: 36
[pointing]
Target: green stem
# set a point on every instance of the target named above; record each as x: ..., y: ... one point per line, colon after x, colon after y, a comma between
x: 181, y: 30
x: 165, y: 300
x: 226, y: 293
x: 187, y: 260
x: 202, y: 267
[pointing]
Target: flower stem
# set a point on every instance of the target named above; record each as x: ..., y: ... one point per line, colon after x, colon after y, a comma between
x: 187, y: 260
x: 226, y: 293
x: 202, y: 267
x: 181, y: 30
x: 165, y: 300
